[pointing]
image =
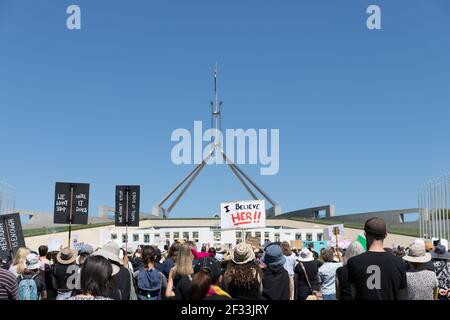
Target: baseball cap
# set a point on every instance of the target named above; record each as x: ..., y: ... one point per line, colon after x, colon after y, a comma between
x: 210, y: 264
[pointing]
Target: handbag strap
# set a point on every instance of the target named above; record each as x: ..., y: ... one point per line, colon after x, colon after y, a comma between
x: 306, y: 276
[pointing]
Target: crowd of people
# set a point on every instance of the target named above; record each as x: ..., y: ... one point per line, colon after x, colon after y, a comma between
x: 272, y: 272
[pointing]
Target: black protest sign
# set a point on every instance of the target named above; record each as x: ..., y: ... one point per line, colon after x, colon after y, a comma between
x: 71, y: 201
x: 127, y: 196
x: 11, y: 235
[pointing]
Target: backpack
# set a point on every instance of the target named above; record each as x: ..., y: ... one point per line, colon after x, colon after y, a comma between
x: 149, y: 283
x: 27, y: 289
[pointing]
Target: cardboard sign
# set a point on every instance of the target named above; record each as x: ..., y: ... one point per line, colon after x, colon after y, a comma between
x: 297, y: 244
x: 71, y: 196
x: 243, y: 214
x: 133, y: 193
x: 11, y: 235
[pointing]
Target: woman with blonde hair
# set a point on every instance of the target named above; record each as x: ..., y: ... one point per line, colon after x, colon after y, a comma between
x: 18, y: 265
x: 343, y: 289
x: 180, y: 276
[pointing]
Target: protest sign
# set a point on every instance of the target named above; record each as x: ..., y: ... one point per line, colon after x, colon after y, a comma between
x: 297, y: 244
x: 11, y: 235
x: 243, y: 214
x: 54, y: 244
x: 127, y: 206
x: 331, y: 231
x: 71, y: 203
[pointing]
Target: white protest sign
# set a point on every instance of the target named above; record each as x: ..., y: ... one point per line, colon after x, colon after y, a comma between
x: 330, y: 231
x: 54, y: 244
x: 243, y: 214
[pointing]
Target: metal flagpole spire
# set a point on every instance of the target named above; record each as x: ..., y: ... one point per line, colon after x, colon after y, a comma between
x: 216, y: 125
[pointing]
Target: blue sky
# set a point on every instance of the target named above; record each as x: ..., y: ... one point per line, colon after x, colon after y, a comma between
x: 363, y: 115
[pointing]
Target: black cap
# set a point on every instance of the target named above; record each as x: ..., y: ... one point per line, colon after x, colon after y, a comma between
x: 209, y: 264
x: 376, y: 227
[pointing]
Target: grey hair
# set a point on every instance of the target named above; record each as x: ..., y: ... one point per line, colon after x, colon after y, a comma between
x: 353, y: 249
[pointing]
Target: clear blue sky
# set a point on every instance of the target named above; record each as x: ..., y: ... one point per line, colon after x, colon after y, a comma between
x: 363, y: 115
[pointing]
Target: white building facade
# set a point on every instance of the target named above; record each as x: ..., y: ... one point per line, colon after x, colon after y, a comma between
x: 209, y: 236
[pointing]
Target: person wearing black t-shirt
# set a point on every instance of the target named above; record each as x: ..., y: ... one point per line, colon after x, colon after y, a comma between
x: 376, y: 274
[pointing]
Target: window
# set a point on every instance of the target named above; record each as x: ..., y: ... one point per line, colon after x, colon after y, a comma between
x: 167, y: 235
x: 124, y: 238
x: 157, y: 237
x: 248, y: 234
x: 195, y: 236
x: 298, y: 236
x: 266, y: 236
x: 176, y: 235
x: 277, y: 237
x: 186, y: 236
x: 113, y: 236
x: 319, y: 236
x: 309, y: 237
x: 135, y: 237
x: 238, y: 236
x: 146, y: 238
x: 217, y: 236
x: 258, y: 236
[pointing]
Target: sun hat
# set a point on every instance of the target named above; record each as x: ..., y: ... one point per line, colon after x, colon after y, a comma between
x: 110, y: 251
x: 32, y: 262
x: 242, y: 253
x: 66, y: 256
x: 220, y: 249
x: 440, y: 253
x: 210, y: 264
x: 305, y: 255
x: 273, y: 256
x: 417, y: 254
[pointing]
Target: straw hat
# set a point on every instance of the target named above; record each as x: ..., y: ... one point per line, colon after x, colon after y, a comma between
x: 242, y: 253
x: 66, y: 256
x: 417, y: 254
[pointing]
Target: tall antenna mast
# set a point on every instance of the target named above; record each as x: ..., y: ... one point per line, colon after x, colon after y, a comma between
x: 216, y: 117
x: 184, y: 184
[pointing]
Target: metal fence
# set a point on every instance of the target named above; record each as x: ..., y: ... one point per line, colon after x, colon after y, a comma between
x: 7, y: 198
x: 434, y: 201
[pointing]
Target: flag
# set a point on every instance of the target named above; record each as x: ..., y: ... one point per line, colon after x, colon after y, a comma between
x: 362, y: 240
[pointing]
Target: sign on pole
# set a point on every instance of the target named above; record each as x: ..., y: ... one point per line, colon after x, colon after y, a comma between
x: 243, y: 214
x: 127, y: 206
x: 11, y: 235
x: 337, y: 229
x: 71, y: 203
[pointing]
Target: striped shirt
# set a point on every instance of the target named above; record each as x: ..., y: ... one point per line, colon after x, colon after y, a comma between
x: 8, y: 285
